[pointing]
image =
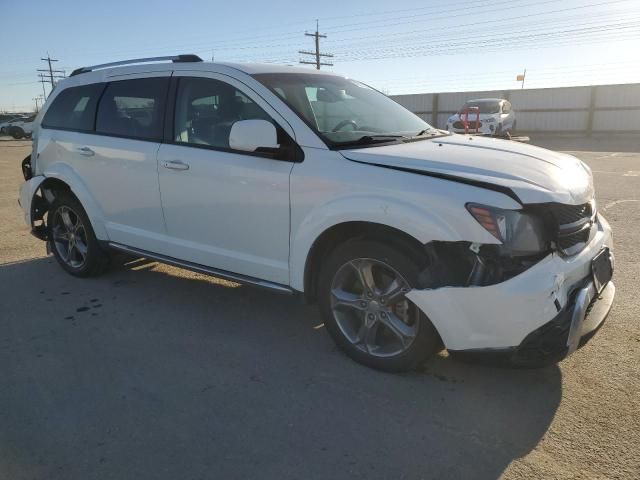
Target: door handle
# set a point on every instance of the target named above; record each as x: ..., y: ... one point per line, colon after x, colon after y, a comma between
x: 86, y: 151
x: 175, y: 165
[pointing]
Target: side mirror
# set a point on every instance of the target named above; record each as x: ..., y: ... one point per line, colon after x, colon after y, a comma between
x: 253, y: 135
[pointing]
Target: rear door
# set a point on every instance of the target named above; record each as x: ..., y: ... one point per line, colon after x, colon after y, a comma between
x: 118, y: 161
x: 224, y: 208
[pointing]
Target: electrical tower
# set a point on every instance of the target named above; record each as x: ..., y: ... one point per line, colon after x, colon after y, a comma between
x: 317, y: 53
x: 49, y: 73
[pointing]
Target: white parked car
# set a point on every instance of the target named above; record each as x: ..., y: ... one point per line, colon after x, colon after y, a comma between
x: 486, y: 116
x: 4, y: 126
x: 21, y: 128
x: 409, y: 239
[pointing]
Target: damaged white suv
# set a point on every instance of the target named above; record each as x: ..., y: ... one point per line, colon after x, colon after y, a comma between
x: 410, y: 239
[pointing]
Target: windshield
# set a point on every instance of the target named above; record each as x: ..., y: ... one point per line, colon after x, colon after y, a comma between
x: 484, y: 107
x: 343, y: 111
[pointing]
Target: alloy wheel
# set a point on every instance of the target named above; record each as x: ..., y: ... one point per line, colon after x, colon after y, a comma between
x: 69, y: 237
x: 369, y: 305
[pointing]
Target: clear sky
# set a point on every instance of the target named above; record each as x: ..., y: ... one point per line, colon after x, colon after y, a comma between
x: 404, y: 46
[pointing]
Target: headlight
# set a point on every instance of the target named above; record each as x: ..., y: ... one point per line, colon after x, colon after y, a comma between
x: 521, y: 233
x: 489, y: 120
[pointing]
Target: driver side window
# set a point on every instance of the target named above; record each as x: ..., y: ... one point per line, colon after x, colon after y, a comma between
x: 206, y: 109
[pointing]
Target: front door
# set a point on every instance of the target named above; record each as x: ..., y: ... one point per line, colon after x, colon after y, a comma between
x: 223, y: 208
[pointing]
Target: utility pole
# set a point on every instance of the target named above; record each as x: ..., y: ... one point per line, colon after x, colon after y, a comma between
x: 317, y: 53
x: 52, y: 74
x: 37, y: 106
x: 43, y: 81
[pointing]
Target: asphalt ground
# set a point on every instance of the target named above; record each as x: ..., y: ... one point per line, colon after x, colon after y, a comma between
x: 152, y: 372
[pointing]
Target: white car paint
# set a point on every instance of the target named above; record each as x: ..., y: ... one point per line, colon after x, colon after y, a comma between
x: 260, y: 218
x: 488, y: 123
x: 536, y: 175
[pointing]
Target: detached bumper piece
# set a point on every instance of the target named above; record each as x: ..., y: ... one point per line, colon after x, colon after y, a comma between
x: 572, y: 328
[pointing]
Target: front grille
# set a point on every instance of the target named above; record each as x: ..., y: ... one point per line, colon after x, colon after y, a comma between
x: 471, y: 125
x: 567, y: 214
x: 572, y: 225
x: 565, y: 242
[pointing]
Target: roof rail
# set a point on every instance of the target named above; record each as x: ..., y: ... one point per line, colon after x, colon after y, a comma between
x: 173, y: 58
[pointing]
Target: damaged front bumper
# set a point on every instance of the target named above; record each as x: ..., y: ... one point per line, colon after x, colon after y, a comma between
x: 537, y: 317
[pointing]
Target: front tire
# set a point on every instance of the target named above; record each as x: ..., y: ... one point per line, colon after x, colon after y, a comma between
x: 361, y: 295
x: 72, y: 240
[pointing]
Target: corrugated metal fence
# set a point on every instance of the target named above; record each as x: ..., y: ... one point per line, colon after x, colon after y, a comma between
x: 582, y: 110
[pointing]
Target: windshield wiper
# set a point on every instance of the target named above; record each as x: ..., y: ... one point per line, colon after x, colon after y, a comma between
x: 383, y: 136
x: 372, y: 139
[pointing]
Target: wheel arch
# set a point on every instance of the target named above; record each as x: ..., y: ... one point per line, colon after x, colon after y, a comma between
x: 343, y: 232
x: 45, y: 193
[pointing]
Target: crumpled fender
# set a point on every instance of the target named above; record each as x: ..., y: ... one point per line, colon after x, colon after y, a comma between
x: 67, y: 175
x: 422, y: 224
x: 27, y: 191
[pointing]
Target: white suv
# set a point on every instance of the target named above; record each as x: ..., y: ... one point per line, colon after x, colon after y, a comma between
x: 410, y: 239
x: 485, y: 116
x: 21, y: 128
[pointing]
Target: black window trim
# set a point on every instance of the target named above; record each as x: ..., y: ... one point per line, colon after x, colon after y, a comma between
x: 95, y: 118
x: 292, y: 153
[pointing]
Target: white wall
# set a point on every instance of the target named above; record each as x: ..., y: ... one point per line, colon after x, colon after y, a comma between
x: 614, y: 108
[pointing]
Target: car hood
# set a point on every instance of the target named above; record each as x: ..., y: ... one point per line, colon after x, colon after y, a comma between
x: 533, y: 174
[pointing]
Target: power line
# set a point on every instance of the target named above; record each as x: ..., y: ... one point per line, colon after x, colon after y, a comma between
x: 317, y: 36
x: 490, y: 42
x: 476, y: 29
x: 581, y: 7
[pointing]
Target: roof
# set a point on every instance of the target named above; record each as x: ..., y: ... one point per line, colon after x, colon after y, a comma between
x: 187, y: 62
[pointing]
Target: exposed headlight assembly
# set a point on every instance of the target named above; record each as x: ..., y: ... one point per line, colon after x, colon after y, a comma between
x: 521, y: 233
x: 489, y: 120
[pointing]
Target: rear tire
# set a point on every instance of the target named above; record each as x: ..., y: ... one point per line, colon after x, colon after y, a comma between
x: 72, y: 240
x: 367, y: 314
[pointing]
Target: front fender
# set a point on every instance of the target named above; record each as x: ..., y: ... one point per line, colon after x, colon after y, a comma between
x: 419, y: 223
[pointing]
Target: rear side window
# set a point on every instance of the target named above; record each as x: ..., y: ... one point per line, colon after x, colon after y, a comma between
x: 74, y: 108
x: 133, y: 108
